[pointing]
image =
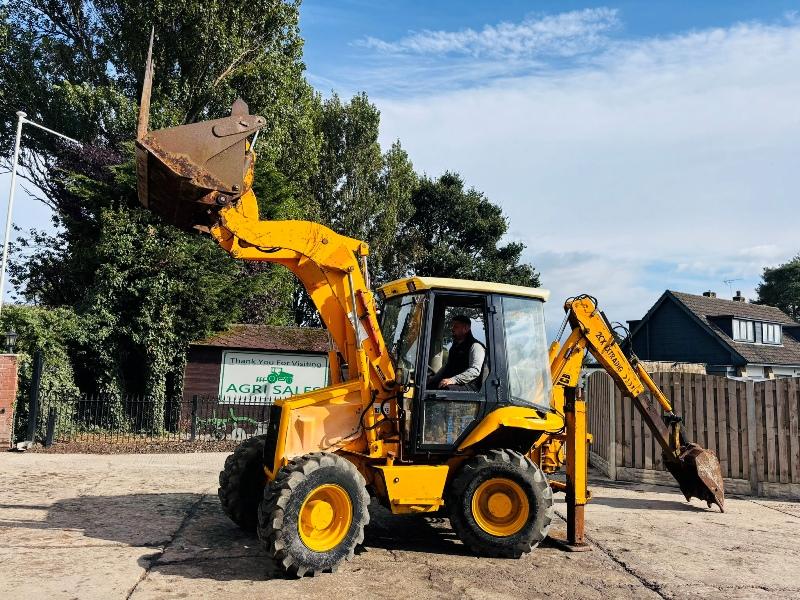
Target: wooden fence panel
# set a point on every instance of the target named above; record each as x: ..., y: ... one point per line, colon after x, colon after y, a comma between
x: 747, y: 451
x: 734, y: 439
x: 782, y: 429
x: 770, y: 431
x: 722, y: 425
x: 627, y: 408
x: 688, y: 407
x: 636, y: 438
x: 794, y: 433
x: 754, y: 427
x: 711, y: 419
x: 699, y: 411
x: 599, y: 399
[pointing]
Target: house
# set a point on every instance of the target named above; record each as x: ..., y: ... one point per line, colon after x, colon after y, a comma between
x: 732, y: 337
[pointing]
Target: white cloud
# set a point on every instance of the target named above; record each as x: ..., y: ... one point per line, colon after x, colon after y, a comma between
x: 661, y: 163
x: 564, y: 34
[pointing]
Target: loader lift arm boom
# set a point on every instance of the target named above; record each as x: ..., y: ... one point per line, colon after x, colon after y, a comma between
x: 200, y: 176
x: 697, y: 470
x: 329, y: 266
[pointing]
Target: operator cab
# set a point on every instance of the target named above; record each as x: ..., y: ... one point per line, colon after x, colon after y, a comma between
x: 506, y: 320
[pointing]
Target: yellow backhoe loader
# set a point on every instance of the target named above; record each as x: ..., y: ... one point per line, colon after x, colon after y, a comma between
x: 381, y: 429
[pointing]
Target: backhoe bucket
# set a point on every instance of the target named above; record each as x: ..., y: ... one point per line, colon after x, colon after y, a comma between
x: 699, y: 474
x: 187, y: 173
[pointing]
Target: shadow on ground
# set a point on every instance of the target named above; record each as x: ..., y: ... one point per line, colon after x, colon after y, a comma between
x: 649, y: 504
x: 191, y: 536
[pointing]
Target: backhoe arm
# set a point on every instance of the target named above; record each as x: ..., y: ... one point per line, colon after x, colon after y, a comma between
x: 696, y: 470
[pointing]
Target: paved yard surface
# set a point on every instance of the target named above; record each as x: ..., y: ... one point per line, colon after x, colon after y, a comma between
x: 150, y: 526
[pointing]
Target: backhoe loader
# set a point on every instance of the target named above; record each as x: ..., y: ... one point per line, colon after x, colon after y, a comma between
x: 380, y: 429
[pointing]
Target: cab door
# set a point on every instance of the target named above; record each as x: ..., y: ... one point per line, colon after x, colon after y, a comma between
x: 443, y: 416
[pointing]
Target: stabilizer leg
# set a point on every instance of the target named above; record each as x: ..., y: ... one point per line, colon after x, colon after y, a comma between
x: 577, y: 470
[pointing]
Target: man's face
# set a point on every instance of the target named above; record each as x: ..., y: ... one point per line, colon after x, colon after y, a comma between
x: 459, y: 331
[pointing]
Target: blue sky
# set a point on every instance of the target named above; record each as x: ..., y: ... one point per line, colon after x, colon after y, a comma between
x: 634, y: 146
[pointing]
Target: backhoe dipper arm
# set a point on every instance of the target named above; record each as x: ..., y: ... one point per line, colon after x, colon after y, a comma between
x: 697, y: 470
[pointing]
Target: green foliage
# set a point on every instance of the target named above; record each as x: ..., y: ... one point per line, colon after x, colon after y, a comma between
x: 781, y: 287
x: 53, y: 333
x: 455, y: 232
x: 346, y: 181
x: 136, y: 291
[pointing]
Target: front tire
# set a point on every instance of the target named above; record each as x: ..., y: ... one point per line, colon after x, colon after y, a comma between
x: 242, y: 482
x: 500, y: 504
x: 313, y: 514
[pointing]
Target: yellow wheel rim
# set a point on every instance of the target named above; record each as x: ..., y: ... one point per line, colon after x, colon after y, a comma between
x: 325, y: 518
x: 500, y: 507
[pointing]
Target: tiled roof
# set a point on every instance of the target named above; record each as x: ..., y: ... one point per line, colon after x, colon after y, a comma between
x: 271, y: 337
x: 703, y: 307
x: 718, y: 307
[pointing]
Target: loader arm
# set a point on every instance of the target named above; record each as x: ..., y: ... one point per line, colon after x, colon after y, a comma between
x: 327, y: 264
x: 697, y: 470
x: 199, y: 177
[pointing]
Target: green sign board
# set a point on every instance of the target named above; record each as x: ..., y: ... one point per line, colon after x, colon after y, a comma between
x: 268, y: 376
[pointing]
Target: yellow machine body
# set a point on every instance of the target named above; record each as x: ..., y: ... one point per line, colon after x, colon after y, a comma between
x: 412, y: 488
x: 199, y: 177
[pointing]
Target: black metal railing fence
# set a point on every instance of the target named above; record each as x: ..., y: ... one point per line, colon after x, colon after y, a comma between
x: 140, y: 418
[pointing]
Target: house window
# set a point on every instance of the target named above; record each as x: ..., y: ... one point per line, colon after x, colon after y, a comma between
x: 771, y: 333
x: 744, y: 331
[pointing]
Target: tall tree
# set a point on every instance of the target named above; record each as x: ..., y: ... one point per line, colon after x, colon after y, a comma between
x: 359, y: 191
x: 780, y: 287
x: 141, y: 289
x: 396, y: 186
x: 345, y: 184
x: 457, y: 232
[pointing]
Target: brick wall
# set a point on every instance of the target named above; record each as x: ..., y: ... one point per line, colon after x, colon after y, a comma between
x: 8, y: 393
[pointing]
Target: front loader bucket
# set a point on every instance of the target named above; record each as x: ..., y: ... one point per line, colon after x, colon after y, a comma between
x: 699, y: 474
x: 187, y: 173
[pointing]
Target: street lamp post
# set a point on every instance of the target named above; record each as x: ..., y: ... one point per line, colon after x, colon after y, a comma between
x: 20, y: 121
x: 11, y: 341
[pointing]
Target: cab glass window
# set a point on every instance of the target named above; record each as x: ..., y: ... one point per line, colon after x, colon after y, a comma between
x: 526, y: 352
x: 402, y: 325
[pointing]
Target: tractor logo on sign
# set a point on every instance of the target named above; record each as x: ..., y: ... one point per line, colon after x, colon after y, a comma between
x: 278, y: 374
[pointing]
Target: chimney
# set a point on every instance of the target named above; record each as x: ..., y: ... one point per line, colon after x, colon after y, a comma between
x: 738, y: 297
x: 710, y: 294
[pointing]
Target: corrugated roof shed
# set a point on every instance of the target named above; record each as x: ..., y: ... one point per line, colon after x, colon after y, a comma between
x: 705, y: 308
x: 271, y: 337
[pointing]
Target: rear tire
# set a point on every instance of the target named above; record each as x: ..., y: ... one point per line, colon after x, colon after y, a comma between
x: 313, y: 514
x: 500, y: 504
x: 242, y: 482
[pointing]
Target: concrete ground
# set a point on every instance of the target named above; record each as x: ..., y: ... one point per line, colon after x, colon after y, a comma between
x: 150, y: 526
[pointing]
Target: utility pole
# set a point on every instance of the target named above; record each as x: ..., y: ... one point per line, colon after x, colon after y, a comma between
x: 20, y: 121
